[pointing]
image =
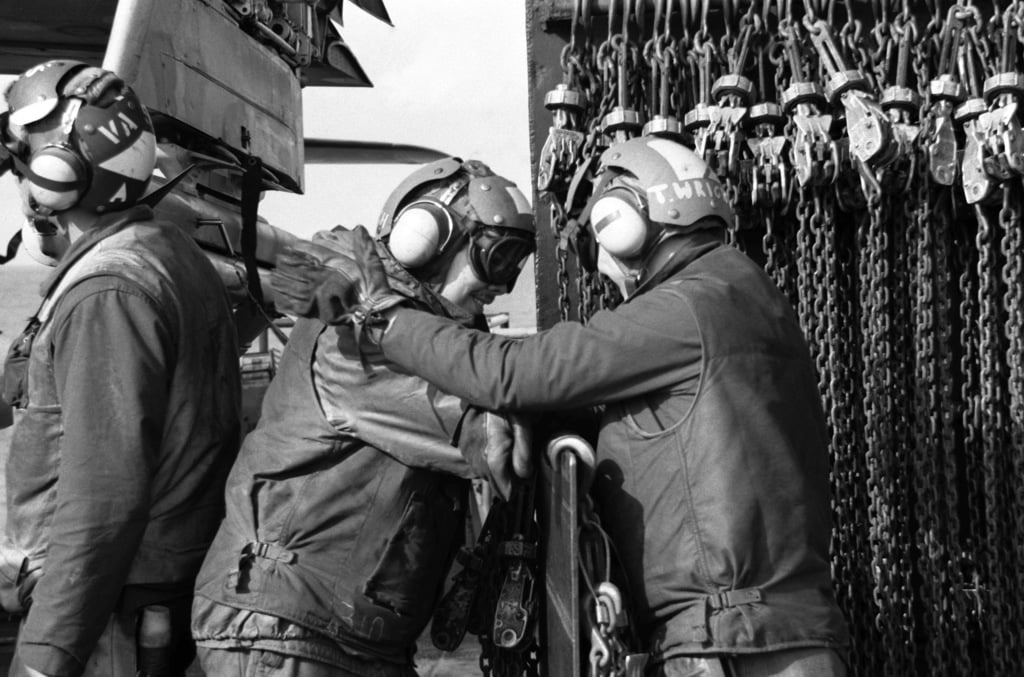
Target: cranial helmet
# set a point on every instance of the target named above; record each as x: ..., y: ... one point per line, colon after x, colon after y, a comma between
x: 79, y: 137
x: 437, y: 208
x: 644, y: 186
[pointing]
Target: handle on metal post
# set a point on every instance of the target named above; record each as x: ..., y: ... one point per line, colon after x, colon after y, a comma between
x: 586, y: 460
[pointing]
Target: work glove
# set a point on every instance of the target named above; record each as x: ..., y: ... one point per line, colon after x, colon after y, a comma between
x: 97, y: 87
x: 338, y: 278
x: 19, y: 574
x: 499, y: 447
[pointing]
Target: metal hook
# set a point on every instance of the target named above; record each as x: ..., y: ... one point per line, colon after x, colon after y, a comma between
x: 609, y: 595
x: 600, y: 652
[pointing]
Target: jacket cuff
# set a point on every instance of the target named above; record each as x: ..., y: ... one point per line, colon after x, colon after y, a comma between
x: 471, y: 439
x: 49, y: 660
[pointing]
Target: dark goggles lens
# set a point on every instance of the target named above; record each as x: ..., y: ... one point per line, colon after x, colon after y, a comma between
x: 497, y: 254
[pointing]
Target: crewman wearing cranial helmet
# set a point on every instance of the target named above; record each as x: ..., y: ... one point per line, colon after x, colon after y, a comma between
x: 127, y: 383
x: 649, y: 191
x: 711, y: 461
x: 437, y: 210
x: 345, y: 507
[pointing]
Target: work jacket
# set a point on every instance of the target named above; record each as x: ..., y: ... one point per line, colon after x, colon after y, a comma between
x: 129, y: 422
x: 344, y: 508
x: 712, y: 467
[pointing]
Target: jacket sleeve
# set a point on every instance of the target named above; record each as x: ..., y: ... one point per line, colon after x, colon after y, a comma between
x: 416, y: 425
x: 642, y: 346
x: 111, y: 354
x: 388, y: 408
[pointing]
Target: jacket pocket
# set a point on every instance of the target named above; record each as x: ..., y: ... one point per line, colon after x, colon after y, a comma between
x: 413, y: 565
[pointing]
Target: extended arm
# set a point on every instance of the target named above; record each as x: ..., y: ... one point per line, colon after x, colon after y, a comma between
x: 618, y: 355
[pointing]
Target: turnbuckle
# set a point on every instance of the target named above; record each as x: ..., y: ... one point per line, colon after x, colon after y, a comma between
x: 516, y: 609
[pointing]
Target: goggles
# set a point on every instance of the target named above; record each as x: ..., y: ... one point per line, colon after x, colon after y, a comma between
x: 497, y: 254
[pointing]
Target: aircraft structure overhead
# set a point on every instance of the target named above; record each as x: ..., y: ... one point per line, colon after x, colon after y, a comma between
x: 222, y: 80
x: 227, y: 70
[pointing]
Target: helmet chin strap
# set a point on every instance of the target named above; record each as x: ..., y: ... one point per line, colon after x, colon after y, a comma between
x: 658, y: 256
x: 627, y: 278
x: 637, y: 271
x: 636, y: 278
x: 629, y: 286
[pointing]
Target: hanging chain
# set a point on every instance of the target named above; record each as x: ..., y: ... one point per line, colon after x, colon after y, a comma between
x: 955, y: 604
x: 990, y: 416
x: 970, y: 419
x: 926, y: 474
x: 875, y: 160
x: 1012, y: 508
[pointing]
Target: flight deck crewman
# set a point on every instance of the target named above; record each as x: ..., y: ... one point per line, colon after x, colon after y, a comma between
x: 127, y: 385
x: 712, y: 465
x: 345, y: 506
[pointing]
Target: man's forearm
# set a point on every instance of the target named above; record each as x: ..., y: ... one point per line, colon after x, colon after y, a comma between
x: 615, y: 356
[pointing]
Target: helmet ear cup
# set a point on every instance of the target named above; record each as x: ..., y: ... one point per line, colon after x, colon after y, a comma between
x: 419, y: 233
x: 57, y: 177
x: 620, y: 224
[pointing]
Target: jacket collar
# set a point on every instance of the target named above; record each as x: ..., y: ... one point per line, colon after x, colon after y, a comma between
x: 105, y: 227
x: 677, y: 252
x: 402, y: 281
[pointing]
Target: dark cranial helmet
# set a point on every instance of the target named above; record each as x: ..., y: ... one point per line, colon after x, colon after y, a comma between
x: 432, y: 213
x: 79, y: 136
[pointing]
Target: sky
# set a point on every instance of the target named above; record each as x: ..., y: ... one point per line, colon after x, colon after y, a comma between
x: 450, y: 75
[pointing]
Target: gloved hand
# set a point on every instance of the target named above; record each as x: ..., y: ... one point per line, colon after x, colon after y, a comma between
x: 19, y: 574
x: 337, y: 278
x: 304, y: 286
x: 499, y: 447
x: 96, y: 86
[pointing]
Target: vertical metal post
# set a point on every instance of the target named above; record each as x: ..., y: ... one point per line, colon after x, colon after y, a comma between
x: 558, y: 512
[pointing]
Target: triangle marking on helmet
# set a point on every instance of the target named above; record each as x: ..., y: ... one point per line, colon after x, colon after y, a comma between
x: 121, y: 195
x: 127, y: 162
